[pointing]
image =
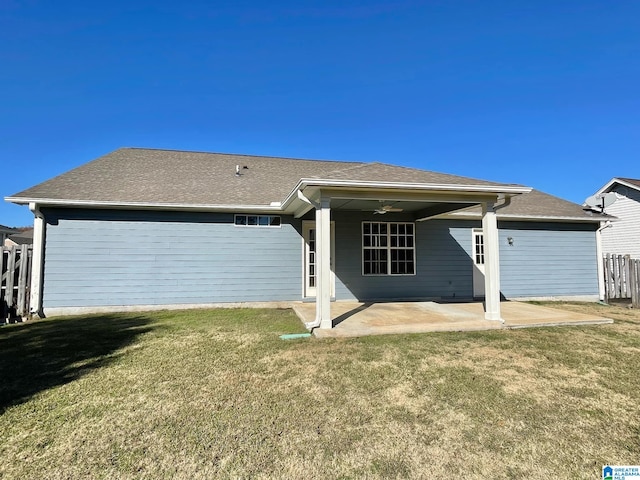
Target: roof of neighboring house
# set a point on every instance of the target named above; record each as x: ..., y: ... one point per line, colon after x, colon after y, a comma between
x: 149, y: 177
x: 4, y: 229
x: 25, y: 236
x: 628, y: 182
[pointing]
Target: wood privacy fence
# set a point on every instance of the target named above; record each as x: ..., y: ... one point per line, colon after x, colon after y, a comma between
x: 15, y: 283
x: 622, y: 278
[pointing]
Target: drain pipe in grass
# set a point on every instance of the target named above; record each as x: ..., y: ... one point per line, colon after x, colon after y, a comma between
x: 294, y: 336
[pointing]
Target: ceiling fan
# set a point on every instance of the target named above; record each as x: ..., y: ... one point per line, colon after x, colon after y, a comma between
x: 385, y: 209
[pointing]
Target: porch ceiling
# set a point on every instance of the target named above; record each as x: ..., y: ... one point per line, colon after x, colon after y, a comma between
x: 420, y: 209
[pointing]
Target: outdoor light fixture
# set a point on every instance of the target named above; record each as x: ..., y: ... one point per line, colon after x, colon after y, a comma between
x: 510, y: 240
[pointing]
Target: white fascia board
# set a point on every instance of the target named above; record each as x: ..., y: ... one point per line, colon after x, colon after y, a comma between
x: 49, y: 202
x: 458, y: 188
x: 525, y: 218
x: 613, y: 181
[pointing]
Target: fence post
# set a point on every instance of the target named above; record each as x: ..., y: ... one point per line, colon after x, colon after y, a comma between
x: 608, y: 277
x: 22, y: 280
x: 635, y: 283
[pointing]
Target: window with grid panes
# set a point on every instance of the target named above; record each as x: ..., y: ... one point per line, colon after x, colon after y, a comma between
x: 388, y: 248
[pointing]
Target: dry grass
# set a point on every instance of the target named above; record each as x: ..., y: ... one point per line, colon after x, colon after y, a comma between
x: 216, y: 394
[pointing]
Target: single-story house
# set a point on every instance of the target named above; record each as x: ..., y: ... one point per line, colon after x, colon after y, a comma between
x: 623, y: 238
x: 143, y: 228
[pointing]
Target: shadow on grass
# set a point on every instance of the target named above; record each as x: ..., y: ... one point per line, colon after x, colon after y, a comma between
x: 39, y: 355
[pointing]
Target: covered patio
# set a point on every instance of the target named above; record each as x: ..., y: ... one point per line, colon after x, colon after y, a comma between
x: 355, y: 319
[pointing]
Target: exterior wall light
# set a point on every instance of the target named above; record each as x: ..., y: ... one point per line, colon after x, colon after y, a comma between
x: 510, y: 240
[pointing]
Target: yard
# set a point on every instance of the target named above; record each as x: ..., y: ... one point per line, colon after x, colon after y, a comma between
x: 217, y: 394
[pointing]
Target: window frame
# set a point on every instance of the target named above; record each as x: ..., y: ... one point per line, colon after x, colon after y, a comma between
x: 258, y: 223
x: 388, y: 248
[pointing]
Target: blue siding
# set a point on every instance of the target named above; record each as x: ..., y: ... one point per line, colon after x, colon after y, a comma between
x: 106, y: 258
x: 548, y: 259
x: 443, y: 264
x: 113, y: 258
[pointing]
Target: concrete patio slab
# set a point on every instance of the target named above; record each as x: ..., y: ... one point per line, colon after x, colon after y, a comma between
x: 354, y: 319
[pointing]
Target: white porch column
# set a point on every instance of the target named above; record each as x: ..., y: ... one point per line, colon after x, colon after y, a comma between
x: 323, y: 263
x: 35, y: 303
x: 491, y: 263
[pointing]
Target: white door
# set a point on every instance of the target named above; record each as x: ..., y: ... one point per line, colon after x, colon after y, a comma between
x: 478, y: 262
x: 310, y: 258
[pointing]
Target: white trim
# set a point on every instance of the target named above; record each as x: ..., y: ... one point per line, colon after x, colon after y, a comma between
x: 610, y: 183
x: 257, y: 225
x: 306, y: 226
x: 37, y: 260
x: 389, y: 248
x: 44, y: 202
x: 478, y: 277
x: 307, y: 182
x: 530, y: 218
x: 491, y: 263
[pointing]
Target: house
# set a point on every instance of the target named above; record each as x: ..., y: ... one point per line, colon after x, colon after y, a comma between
x: 143, y: 228
x: 5, y: 232
x: 22, y: 236
x: 623, y: 237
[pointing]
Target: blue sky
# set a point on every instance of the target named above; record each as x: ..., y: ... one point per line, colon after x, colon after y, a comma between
x: 542, y: 93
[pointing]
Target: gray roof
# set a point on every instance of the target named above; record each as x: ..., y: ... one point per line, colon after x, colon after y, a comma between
x: 175, y: 177
x: 169, y: 177
x: 23, y: 237
x: 538, y: 204
x: 632, y: 181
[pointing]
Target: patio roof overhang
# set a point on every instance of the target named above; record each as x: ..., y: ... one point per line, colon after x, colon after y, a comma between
x: 423, y: 201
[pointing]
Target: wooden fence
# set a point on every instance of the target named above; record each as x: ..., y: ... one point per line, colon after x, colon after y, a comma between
x: 622, y: 278
x: 15, y: 282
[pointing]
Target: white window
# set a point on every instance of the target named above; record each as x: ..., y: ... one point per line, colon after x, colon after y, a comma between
x: 257, y: 220
x: 478, y: 247
x: 388, y: 248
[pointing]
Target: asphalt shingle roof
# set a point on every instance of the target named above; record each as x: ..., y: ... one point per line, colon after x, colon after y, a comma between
x: 149, y: 176
x: 540, y: 204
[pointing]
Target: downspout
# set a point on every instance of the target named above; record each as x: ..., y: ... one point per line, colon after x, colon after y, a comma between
x: 603, y: 225
x: 315, y: 323
x: 37, y: 261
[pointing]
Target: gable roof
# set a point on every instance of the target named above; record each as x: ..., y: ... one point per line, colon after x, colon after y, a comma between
x: 140, y: 177
x: 147, y: 176
x: 627, y: 182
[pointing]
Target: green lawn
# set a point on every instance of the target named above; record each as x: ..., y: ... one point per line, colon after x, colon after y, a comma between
x: 217, y: 394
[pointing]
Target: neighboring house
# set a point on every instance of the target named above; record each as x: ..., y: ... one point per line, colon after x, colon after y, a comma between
x: 5, y: 232
x: 23, y: 236
x: 623, y: 237
x: 143, y: 228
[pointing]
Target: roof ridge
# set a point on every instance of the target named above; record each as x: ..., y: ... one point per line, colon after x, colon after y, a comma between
x: 441, y: 173
x: 239, y: 155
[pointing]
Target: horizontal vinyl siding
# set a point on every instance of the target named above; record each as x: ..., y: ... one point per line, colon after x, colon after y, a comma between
x: 623, y: 237
x: 547, y: 259
x: 443, y: 264
x: 105, y: 258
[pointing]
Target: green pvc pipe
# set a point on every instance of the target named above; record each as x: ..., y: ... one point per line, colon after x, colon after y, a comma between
x: 293, y: 336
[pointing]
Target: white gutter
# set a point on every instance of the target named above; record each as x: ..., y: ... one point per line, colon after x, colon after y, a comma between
x: 603, y: 225
x: 473, y: 216
x: 37, y: 261
x: 275, y: 207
